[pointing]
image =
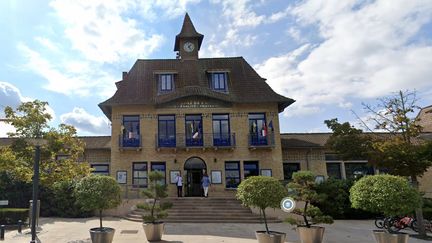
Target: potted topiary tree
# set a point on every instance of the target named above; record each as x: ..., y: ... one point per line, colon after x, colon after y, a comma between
x: 155, y: 210
x: 303, y: 188
x: 263, y: 192
x: 386, y: 194
x: 97, y: 193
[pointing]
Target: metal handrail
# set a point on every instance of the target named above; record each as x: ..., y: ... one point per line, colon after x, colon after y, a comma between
x: 133, y: 142
x: 206, y: 140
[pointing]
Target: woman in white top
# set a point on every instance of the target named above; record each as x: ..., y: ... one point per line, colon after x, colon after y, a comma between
x: 179, y: 182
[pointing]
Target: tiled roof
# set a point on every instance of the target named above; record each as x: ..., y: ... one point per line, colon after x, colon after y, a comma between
x: 304, y: 140
x: 425, y: 116
x: 139, y: 86
x: 96, y: 142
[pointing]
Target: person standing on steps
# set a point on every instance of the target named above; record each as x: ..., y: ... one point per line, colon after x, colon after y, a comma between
x: 205, y: 183
x: 179, y: 183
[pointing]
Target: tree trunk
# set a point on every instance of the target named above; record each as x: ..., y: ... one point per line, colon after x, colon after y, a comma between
x: 419, y: 211
x: 305, y: 214
x: 100, y: 219
x: 265, y: 221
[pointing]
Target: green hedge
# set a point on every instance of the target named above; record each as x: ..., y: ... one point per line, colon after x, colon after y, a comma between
x: 10, y: 216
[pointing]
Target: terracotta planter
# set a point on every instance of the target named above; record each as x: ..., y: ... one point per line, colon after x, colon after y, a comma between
x: 314, y: 234
x: 154, y: 232
x: 382, y: 236
x: 273, y: 237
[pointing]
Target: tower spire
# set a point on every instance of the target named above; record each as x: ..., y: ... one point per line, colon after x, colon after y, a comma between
x: 188, y: 31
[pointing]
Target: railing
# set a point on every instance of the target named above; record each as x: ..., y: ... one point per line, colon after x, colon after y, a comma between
x: 130, y: 142
x: 258, y: 140
x: 181, y: 140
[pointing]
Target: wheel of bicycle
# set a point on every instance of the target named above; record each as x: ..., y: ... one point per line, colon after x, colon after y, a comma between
x: 387, y: 221
x: 395, y: 226
x: 379, y: 223
x: 427, y: 224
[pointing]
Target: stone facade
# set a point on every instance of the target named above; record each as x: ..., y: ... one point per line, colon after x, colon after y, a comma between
x: 268, y: 157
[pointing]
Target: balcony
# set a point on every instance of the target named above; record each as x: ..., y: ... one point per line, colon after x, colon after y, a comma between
x: 206, y: 140
x: 256, y: 140
x: 133, y: 142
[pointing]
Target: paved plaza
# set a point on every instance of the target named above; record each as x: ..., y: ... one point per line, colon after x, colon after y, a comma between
x: 60, y: 230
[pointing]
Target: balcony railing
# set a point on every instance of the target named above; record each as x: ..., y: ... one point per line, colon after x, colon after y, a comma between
x: 130, y: 142
x: 181, y: 140
x: 258, y: 140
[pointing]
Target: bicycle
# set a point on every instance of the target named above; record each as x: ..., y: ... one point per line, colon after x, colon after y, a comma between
x: 399, y: 223
x: 427, y: 224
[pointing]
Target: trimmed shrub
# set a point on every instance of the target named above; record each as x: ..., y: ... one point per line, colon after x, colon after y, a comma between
x: 336, y: 203
x: 10, y: 216
x: 261, y: 192
x: 386, y: 194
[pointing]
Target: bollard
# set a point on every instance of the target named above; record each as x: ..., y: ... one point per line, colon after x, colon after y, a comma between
x: 2, y: 232
x: 19, y: 226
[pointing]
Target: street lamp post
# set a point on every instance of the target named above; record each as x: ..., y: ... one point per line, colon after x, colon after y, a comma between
x: 37, y: 142
x: 35, y: 192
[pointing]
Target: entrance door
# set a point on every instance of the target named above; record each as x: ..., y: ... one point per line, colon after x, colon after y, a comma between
x: 194, y: 168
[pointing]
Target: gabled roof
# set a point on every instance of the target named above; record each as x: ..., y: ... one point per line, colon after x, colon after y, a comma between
x: 139, y: 86
x: 425, y: 116
x: 187, y: 31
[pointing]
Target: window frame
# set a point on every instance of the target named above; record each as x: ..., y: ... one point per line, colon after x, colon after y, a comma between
x: 256, y: 138
x: 170, y: 143
x: 217, y: 83
x: 226, y: 174
x: 127, y: 139
x: 298, y: 164
x: 189, y: 139
x: 251, y: 162
x: 138, y: 178
x: 104, y: 172
x: 164, y: 82
x: 341, y: 176
x: 221, y: 141
x: 159, y: 163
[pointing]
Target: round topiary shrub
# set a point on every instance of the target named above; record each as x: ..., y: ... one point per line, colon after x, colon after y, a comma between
x: 386, y: 194
x: 98, y: 192
x: 261, y: 192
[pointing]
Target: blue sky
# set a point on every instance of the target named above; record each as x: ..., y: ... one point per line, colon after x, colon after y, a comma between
x: 328, y: 55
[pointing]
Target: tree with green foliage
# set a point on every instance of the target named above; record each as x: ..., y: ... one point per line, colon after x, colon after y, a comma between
x: 398, y: 150
x: 156, y: 210
x: 30, y: 121
x: 96, y: 192
x: 303, y: 188
x: 386, y: 194
x: 261, y: 192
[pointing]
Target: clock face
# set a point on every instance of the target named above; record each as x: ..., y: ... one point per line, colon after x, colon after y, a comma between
x: 188, y: 46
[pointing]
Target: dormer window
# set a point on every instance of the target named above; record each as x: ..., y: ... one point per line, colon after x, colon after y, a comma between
x: 166, y: 82
x: 219, y: 81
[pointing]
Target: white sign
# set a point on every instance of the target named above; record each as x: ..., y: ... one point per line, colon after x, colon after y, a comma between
x: 4, y: 202
x: 288, y: 204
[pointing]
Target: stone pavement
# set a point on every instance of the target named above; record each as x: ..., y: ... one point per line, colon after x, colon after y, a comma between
x: 60, y: 230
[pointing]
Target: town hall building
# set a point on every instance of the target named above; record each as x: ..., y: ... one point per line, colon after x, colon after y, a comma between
x: 190, y: 116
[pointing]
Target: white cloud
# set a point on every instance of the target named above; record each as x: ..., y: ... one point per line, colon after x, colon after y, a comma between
x: 102, y: 32
x: 86, y: 123
x: 368, y: 50
x: 239, y: 18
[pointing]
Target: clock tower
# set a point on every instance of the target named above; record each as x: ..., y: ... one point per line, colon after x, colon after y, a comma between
x: 188, y: 41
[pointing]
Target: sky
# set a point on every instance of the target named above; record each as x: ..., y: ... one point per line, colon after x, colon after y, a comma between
x: 329, y: 55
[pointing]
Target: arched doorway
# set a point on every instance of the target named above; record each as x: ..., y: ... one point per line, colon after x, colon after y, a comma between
x: 194, y: 168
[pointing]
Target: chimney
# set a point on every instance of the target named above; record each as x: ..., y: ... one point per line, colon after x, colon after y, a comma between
x: 125, y: 74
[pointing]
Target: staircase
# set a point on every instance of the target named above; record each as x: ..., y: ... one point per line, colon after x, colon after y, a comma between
x: 205, y: 210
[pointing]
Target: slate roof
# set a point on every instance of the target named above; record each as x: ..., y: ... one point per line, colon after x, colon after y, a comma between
x: 304, y: 140
x: 139, y: 86
x: 91, y: 142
